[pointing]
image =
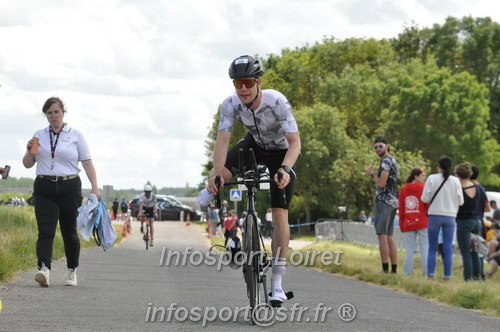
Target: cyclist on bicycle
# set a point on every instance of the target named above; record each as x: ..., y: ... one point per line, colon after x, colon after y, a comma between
x: 274, y: 136
x: 148, y: 208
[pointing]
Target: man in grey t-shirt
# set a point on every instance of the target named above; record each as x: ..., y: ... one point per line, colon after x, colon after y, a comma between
x: 386, y: 203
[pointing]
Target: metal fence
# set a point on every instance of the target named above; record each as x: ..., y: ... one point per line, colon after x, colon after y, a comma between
x: 349, y: 231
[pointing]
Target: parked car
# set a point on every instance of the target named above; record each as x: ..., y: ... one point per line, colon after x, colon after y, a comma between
x: 167, y: 209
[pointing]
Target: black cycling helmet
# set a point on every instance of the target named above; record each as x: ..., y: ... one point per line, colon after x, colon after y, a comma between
x: 245, y: 66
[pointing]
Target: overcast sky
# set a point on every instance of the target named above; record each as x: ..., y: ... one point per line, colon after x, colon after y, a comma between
x: 142, y: 79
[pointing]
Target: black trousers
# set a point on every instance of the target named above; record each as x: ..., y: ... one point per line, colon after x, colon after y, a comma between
x: 57, y: 201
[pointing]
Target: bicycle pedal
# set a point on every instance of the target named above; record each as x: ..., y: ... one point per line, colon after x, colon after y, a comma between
x: 276, y: 303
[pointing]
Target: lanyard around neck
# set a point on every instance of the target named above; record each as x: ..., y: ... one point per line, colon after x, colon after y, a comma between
x: 53, y: 144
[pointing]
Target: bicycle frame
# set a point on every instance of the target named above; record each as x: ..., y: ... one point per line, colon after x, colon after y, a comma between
x: 146, y: 236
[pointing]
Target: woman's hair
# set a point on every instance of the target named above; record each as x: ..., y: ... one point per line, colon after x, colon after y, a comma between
x: 464, y: 170
x: 445, y: 164
x: 53, y: 100
x: 414, y: 172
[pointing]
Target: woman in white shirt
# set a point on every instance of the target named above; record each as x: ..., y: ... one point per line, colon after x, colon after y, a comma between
x: 58, y: 189
x: 443, y: 192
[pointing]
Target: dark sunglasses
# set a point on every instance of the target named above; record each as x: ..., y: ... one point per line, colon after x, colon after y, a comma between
x: 249, y: 82
x: 380, y: 146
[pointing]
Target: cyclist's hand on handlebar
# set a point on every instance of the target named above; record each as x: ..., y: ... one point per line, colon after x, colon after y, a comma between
x: 285, y: 180
x: 211, y: 187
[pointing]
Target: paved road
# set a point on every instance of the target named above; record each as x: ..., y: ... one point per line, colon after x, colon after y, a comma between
x: 119, y: 290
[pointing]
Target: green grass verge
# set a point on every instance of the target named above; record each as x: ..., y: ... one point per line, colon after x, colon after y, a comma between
x: 363, y: 263
x: 18, y: 238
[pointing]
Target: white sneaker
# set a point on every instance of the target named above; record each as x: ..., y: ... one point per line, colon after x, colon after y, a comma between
x: 71, y: 281
x: 42, y: 276
x: 204, y: 197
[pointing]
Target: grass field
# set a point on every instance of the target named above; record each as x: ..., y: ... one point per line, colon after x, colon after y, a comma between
x: 18, y: 238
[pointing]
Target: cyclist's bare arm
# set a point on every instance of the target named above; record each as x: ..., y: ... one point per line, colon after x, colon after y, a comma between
x: 139, y: 213
x: 294, y: 147
x: 155, y: 209
x: 220, y: 155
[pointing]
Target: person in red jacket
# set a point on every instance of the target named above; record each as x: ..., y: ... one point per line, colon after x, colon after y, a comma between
x: 413, y: 219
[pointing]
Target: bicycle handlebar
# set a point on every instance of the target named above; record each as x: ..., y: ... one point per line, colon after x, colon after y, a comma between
x: 250, y: 178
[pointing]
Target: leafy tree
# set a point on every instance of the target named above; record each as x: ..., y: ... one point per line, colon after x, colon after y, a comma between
x: 469, y: 44
x: 439, y: 113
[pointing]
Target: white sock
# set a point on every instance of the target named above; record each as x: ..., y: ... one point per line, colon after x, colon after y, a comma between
x: 278, y: 269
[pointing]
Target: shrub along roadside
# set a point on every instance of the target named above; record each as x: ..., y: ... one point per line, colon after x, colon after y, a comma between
x: 18, y: 238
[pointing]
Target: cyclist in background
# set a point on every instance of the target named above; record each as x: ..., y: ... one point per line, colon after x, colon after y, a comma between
x: 148, y: 208
x: 274, y: 137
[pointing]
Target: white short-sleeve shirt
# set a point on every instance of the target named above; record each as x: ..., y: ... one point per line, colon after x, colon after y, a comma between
x: 71, y: 148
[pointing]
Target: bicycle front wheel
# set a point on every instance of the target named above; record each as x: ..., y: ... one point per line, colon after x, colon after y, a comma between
x: 146, y: 236
x: 252, y: 251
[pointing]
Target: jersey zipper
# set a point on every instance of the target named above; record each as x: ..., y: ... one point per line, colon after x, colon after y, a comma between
x: 257, y: 128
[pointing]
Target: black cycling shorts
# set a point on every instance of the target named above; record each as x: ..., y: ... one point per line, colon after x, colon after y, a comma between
x: 273, y: 159
x: 149, y: 212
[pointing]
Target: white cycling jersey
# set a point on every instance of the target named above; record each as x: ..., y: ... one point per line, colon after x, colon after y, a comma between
x: 268, y: 124
x: 147, y: 202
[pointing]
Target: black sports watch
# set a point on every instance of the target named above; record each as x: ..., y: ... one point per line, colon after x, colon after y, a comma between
x: 286, y: 168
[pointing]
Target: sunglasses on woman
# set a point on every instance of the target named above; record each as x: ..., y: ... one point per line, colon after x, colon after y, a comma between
x: 249, y: 82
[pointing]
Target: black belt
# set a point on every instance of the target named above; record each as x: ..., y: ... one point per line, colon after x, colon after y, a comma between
x: 55, y: 178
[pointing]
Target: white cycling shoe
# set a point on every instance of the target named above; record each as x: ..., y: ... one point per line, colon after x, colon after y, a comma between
x: 279, y: 297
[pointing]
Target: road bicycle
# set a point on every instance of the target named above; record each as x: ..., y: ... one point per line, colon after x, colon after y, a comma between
x: 254, y: 257
x: 147, y: 231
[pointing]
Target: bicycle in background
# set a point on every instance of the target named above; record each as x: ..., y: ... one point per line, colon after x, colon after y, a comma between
x: 147, y: 230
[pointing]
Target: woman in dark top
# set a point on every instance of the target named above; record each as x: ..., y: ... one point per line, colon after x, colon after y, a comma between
x: 467, y: 222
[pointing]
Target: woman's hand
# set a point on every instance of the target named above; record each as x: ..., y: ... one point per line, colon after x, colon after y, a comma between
x: 31, y: 142
x: 97, y: 192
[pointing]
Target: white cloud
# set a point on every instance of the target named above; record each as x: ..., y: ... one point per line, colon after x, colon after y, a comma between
x: 143, y: 79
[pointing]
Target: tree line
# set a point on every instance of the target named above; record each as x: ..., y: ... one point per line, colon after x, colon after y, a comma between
x: 431, y: 91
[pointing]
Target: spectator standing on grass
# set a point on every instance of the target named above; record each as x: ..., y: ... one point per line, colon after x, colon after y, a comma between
x: 468, y: 222
x: 114, y: 206
x: 413, y: 219
x: 386, y: 203
x: 230, y: 226
x: 213, y: 217
x: 444, y: 194
x: 482, y: 206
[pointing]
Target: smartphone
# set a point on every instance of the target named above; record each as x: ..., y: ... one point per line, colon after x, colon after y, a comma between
x: 5, y: 175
